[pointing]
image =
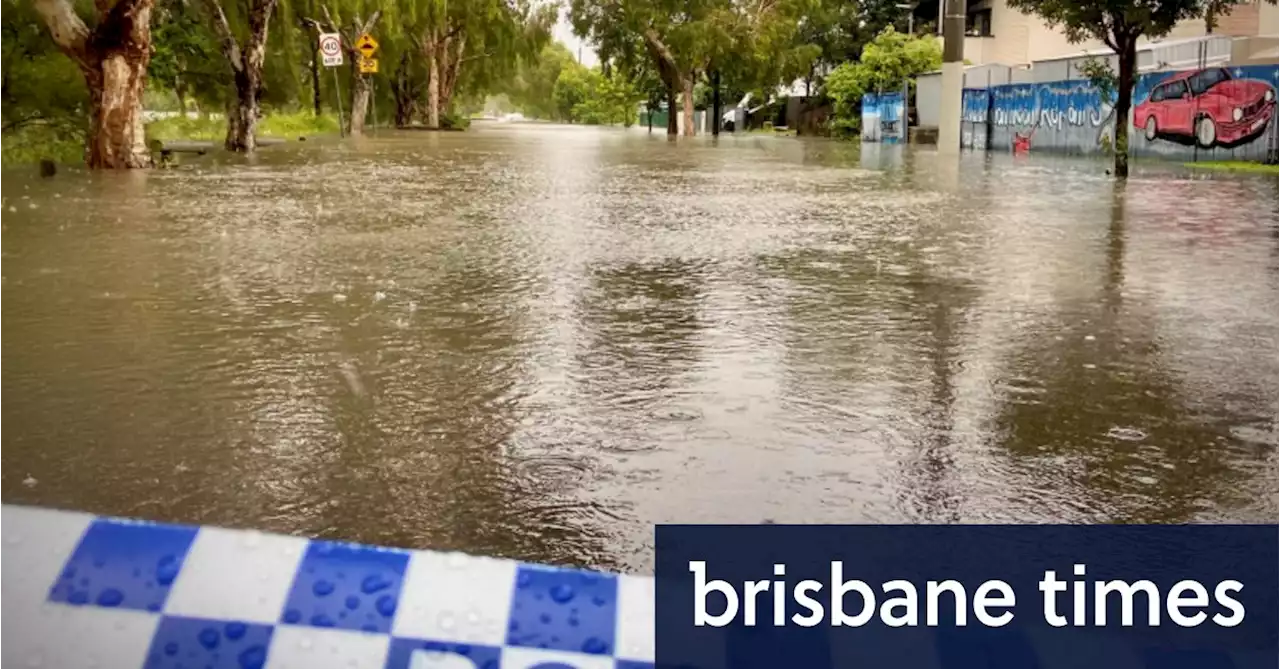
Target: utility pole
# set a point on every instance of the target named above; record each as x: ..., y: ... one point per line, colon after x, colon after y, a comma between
x: 952, y: 78
x: 906, y: 86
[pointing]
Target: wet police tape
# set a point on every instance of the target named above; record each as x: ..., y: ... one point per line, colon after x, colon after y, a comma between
x: 85, y: 591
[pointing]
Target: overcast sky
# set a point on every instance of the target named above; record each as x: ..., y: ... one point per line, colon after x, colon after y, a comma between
x: 564, y: 33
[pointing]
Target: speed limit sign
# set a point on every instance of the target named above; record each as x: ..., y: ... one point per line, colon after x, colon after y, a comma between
x: 331, y: 49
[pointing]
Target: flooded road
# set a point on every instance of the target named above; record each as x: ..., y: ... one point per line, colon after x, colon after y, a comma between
x: 539, y: 341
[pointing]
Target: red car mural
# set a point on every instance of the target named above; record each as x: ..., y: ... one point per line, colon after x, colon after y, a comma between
x: 1207, y: 106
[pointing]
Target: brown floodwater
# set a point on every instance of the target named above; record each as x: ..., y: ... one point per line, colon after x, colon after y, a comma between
x: 539, y: 341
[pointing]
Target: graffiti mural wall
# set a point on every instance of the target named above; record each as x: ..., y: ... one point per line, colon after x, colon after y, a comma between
x: 975, y: 117
x: 882, y: 118
x: 1064, y: 116
x: 1217, y: 113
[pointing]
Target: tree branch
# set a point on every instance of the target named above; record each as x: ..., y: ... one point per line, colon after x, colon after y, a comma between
x: 118, y: 26
x: 475, y: 57
x: 230, y: 48
x: 328, y: 19
x: 67, y: 29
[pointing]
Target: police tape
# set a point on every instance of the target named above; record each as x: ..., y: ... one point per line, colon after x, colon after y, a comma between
x: 86, y: 591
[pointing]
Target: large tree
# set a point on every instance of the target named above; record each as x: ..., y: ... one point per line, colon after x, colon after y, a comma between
x: 1119, y: 24
x: 246, y: 58
x: 751, y: 40
x: 678, y: 38
x: 113, y: 59
x: 490, y: 33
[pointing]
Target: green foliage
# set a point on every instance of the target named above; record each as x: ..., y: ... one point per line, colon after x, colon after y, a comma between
x: 185, y: 58
x: 752, y: 45
x: 839, y: 30
x: 457, y: 121
x: 41, y: 85
x: 37, y: 141
x: 586, y: 95
x: 610, y: 101
x: 1100, y: 74
x: 891, y: 59
x: 532, y: 89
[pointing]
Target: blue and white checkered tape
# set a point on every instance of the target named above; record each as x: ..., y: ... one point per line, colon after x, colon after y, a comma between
x: 84, y: 591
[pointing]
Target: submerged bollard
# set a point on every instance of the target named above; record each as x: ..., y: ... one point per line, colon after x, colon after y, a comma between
x: 86, y: 591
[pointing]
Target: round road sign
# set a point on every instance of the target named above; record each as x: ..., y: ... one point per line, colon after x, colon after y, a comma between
x: 330, y: 44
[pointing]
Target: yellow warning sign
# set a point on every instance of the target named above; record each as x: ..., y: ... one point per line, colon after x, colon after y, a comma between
x: 367, y: 45
x: 368, y: 66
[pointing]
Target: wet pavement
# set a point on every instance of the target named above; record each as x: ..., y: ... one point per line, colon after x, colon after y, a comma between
x: 538, y: 341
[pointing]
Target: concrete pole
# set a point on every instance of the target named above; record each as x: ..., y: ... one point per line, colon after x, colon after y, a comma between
x: 952, y: 78
x: 906, y: 83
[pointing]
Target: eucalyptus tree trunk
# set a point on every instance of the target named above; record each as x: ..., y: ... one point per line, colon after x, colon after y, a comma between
x: 435, y: 45
x: 113, y: 59
x: 687, y: 94
x: 671, y: 76
x: 452, y: 65
x: 246, y: 66
x: 673, y: 121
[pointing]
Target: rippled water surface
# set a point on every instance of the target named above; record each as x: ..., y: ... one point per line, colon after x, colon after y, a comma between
x: 539, y: 341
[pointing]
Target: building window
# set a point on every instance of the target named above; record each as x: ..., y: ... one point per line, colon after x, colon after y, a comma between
x: 977, y: 23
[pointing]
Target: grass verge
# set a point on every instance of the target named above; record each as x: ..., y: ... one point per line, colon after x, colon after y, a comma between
x: 288, y: 126
x: 1236, y: 166
x: 33, y: 143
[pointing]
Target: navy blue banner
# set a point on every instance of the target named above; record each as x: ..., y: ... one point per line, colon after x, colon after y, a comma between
x: 967, y: 596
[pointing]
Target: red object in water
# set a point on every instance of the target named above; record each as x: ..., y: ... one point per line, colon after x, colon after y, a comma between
x: 1021, y: 143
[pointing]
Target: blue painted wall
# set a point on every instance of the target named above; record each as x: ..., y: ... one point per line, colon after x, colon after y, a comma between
x: 882, y: 116
x: 1065, y: 116
x: 1072, y: 116
x: 975, y: 115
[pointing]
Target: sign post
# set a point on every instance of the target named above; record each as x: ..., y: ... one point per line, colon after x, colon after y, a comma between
x: 367, y: 46
x: 331, y: 56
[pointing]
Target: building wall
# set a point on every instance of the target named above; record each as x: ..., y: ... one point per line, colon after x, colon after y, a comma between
x: 928, y: 99
x: 1019, y: 39
x: 1268, y: 19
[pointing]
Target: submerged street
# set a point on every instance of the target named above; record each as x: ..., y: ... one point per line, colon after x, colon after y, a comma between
x: 536, y: 341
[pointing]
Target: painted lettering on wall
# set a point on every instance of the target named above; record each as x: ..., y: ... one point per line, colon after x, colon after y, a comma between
x: 1054, y: 105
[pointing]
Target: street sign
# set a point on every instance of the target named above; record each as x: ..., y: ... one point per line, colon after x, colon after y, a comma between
x: 368, y: 65
x: 331, y: 49
x: 367, y: 45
